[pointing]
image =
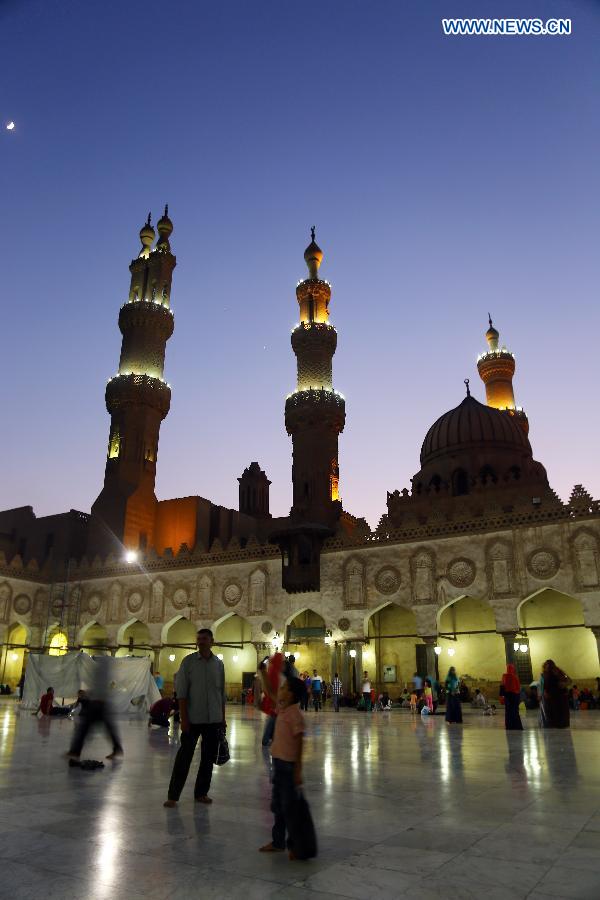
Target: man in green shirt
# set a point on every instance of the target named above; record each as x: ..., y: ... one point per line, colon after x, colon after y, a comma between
x: 200, y: 686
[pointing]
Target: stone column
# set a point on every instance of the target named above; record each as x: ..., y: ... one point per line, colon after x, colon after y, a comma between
x: 430, y: 641
x: 345, y: 668
x: 334, y: 660
x: 156, y: 660
x: 509, y: 650
x: 359, y: 667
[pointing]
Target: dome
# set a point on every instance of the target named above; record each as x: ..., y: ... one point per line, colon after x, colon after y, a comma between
x: 474, y: 425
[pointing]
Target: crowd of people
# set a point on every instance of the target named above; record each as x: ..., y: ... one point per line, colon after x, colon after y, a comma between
x: 282, y: 693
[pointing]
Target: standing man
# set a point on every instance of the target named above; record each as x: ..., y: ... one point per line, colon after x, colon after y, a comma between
x: 366, y: 691
x: 417, y: 684
x: 336, y: 691
x: 159, y: 681
x: 317, y: 683
x: 201, y: 695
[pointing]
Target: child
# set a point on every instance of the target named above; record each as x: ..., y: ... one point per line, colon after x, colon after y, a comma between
x: 286, y: 751
x: 413, y: 703
x: 428, y: 694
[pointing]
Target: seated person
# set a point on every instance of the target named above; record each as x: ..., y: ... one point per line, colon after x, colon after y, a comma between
x: 161, y: 710
x: 479, y: 701
x: 47, y: 707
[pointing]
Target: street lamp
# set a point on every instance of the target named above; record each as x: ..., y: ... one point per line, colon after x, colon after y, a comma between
x: 171, y: 657
x: 131, y: 556
x: 353, y: 653
x: 437, y: 649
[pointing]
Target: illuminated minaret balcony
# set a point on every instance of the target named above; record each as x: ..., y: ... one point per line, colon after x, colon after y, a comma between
x: 496, y: 369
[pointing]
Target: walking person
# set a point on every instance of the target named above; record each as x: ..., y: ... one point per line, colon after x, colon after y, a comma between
x: 95, y: 711
x: 307, y: 691
x: 554, y: 706
x: 366, y: 691
x: 453, y: 707
x: 336, y: 691
x: 317, y: 684
x: 510, y: 689
x: 201, y: 696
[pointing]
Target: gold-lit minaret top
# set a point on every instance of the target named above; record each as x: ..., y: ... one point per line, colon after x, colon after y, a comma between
x: 496, y: 369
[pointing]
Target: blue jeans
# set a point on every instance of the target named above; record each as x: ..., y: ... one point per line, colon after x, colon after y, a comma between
x: 336, y: 702
x: 317, y: 700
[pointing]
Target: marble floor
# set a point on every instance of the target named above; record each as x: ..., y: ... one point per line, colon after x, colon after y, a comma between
x: 403, y: 808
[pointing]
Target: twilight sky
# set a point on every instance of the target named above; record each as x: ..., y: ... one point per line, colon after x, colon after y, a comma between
x: 446, y: 177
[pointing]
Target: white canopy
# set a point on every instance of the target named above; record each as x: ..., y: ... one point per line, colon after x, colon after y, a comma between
x: 129, y: 685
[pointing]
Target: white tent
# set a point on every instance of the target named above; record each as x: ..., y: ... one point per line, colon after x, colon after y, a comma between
x: 129, y: 685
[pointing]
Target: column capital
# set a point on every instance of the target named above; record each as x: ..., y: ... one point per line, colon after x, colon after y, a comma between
x: 429, y: 638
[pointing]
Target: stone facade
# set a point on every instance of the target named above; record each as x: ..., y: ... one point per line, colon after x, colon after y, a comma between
x: 422, y: 573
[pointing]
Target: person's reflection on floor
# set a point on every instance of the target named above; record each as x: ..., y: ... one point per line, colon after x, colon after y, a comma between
x: 515, y: 761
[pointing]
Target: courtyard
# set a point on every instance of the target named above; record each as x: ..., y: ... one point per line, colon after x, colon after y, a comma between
x: 403, y: 808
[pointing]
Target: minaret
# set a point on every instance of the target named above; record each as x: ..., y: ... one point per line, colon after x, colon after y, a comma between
x: 254, y: 492
x: 137, y: 399
x: 314, y: 416
x: 496, y: 369
x: 315, y: 413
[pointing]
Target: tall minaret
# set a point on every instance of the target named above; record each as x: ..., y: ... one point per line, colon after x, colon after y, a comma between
x: 496, y: 369
x: 315, y: 413
x: 138, y: 399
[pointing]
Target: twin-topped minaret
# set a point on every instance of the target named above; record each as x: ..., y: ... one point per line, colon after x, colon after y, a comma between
x: 138, y: 398
x: 315, y: 413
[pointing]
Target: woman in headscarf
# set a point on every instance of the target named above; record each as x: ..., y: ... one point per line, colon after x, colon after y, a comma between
x: 554, y: 707
x: 511, y: 691
x: 453, y: 707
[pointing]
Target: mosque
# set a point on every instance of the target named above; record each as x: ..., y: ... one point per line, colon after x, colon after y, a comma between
x: 477, y: 563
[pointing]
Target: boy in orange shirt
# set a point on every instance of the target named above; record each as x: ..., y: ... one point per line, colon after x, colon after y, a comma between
x: 286, y: 751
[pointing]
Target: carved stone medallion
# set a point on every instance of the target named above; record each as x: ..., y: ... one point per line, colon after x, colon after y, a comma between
x: 93, y: 604
x: 134, y: 602
x: 344, y: 624
x: 387, y: 580
x: 543, y: 564
x: 461, y: 572
x: 180, y: 599
x: 232, y: 593
x: 22, y: 605
x: 266, y: 627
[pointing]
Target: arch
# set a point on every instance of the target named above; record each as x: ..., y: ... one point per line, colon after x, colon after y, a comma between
x: 310, y: 650
x: 58, y: 644
x: 93, y: 637
x: 460, y: 483
x: 14, y: 657
x: 391, y: 655
x: 299, y: 612
x: 469, y: 627
x: 233, y: 639
x: 140, y: 633
x: 177, y: 631
x: 554, y: 624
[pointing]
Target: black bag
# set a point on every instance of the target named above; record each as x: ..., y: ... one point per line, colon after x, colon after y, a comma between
x: 223, y: 755
x: 301, y: 830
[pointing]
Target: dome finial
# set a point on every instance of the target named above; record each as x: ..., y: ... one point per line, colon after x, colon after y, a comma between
x: 467, y: 382
x: 492, y: 336
x: 147, y: 235
x: 165, y: 228
x: 313, y: 255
